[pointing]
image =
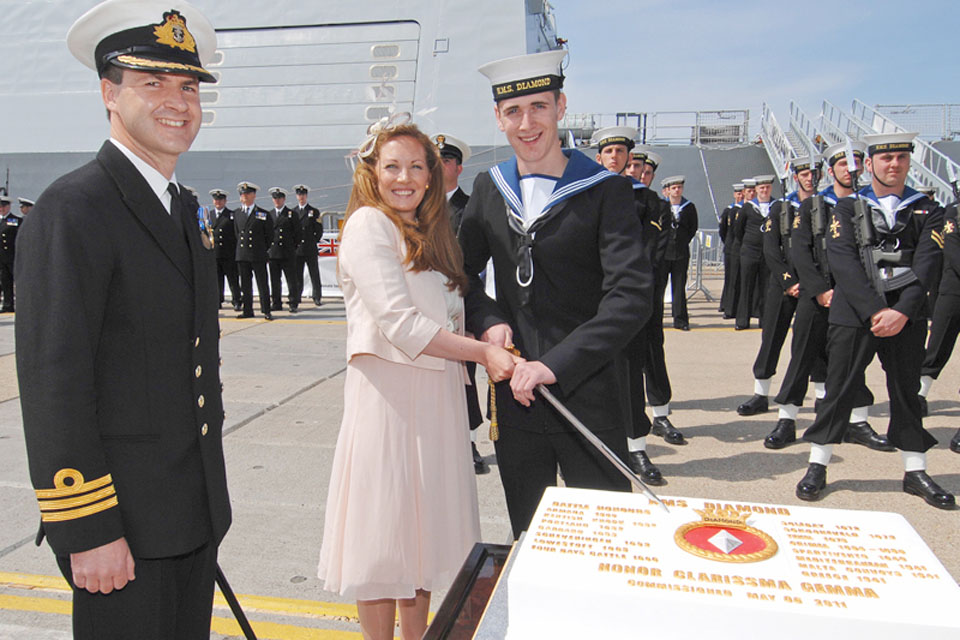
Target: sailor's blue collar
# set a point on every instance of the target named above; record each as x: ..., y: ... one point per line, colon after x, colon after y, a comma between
x: 636, y: 184
x: 684, y: 202
x: 829, y: 195
x: 580, y: 174
x: 908, y: 197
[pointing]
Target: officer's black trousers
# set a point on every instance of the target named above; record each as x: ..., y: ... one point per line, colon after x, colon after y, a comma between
x: 247, y: 272
x: 528, y: 464
x: 943, y: 335
x: 777, y: 313
x: 170, y: 599
x: 808, y: 352
x: 732, y: 299
x: 655, y: 360
x: 313, y: 267
x: 753, y: 281
x: 227, y: 268
x: 849, y: 351
x: 6, y: 285
x: 677, y: 270
x: 288, y: 267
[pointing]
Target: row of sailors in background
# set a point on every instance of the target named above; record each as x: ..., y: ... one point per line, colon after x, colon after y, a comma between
x: 9, y: 226
x: 851, y: 269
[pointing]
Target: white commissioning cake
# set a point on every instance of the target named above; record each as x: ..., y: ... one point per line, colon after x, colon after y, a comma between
x: 599, y: 564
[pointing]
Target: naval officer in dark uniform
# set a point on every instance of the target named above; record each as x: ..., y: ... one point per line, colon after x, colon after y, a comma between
x: 884, y: 263
x: 683, y: 227
x: 117, y: 343
x: 573, y: 286
x: 731, y: 282
x: 254, y: 235
x: 453, y: 153
x: 282, y: 253
x: 9, y: 227
x: 753, y: 268
x: 225, y: 247
x: 311, y: 233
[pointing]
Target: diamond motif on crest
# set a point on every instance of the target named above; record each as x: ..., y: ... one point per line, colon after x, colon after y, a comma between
x: 725, y: 541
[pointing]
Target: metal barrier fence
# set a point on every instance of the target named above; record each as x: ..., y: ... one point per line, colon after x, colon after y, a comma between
x: 932, y: 121
x: 722, y: 128
x: 706, y: 256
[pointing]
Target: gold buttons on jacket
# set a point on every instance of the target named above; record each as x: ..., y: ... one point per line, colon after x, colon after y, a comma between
x: 198, y: 371
x: 200, y: 401
x: 203, y: 429
x: 196, y: 343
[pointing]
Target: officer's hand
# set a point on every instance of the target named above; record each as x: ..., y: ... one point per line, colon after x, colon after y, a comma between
x: 824, y: 299
x: 526, y: 376
x: 499, y: 363
x: 103, y: 569
x: 794, y: 291
x: 499, y: 335
x: 887, y: 322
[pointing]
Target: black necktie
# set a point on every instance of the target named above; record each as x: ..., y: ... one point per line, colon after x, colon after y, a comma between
x: 176, y: 208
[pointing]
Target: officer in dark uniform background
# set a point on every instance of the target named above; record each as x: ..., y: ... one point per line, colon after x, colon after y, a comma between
x: 117, y: 344
x: 880, y: 307
x: 731, y: 271
x: 225, y: 247
x: 735, y: 240
x: 254, y: 235
x: 283, y: 252
x: 753, y: 268
x: 681, y: 230
x: 311, y: 233
x: 9, y: 227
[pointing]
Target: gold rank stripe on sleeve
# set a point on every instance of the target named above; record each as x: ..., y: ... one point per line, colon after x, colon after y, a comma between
x: 659, y: 228
x: 937, y: 238
x: 73, y: 498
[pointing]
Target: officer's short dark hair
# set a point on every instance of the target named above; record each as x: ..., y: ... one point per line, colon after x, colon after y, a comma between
x: 114, y: 74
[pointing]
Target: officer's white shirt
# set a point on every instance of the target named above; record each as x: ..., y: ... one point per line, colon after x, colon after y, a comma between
x: 156, y: 180
x: 451, y: 192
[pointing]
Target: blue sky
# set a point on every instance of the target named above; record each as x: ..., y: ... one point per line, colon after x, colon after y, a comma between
x: 658, y: 55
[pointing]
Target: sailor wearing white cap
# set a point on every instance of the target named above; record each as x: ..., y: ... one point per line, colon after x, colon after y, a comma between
x: 225, y: 247
x: 731, y: 263
x: 9, y: 227
x: 879, y: 308
x: 572, y: 284
x: 254, y: 236
x: 753, y: 269
x: 311, y: 234
x: 282, y: 253
x: 683, y: 227
x: 129, y: 479
x: 613, y: 145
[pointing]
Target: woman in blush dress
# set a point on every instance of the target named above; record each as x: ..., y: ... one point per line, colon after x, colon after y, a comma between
x: 401, y: 513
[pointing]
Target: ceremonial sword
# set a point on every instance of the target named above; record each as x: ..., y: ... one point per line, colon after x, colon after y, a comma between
x: 231, y: 599
x: 599, y: 445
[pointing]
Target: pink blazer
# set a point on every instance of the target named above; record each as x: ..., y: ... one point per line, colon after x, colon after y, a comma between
x: 392, y: 312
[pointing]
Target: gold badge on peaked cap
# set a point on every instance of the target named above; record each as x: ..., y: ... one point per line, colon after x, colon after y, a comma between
x: 174, y: 33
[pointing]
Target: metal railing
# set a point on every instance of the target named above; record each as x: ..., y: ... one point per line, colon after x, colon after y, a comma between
x: 777, y: 145
x: 722, y: 128
x: 932, y: 121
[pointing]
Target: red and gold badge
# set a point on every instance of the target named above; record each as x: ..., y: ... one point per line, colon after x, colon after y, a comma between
x: 724, y: 535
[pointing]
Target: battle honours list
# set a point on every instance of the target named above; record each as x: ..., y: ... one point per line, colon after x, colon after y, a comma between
x: 595, y: 563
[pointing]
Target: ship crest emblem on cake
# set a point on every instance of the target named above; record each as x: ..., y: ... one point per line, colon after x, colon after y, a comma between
x: 724, y: 535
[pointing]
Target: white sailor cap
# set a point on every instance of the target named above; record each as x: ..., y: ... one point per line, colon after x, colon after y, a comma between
x: 651, y: 158
x: 749, y: 183
x: 277, y: 192
x: 803, y: 164
x: 526, y: 74
x: 737, y: 187
x: 25, y: 203
x: 5, y: 199
x: 247, y: 187
x: 218, y: 193
x: 167, y: 36
x: 451, y: 147
x: 765, y: 179
x: 835, y: 152
x: 885, y: 142
x: 614, y: 135
x: 301, y: 188
x: 672, y: 180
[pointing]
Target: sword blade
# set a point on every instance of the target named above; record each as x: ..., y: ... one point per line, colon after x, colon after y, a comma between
x: 234, y: 604
x: 600, y: 446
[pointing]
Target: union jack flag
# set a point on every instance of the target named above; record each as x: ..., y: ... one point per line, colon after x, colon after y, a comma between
x: 328, y: 247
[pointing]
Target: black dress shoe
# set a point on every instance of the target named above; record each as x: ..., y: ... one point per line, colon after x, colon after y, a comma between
x: 683, y: 326
x: 318, y: 302
x: 293, y: 309
x: 728, y: 317
x: 955, y: 442
x: 753, y: 406
x: 276, y: 306
x: 783, y: 434
x: 480, y: 466
x: 238, y: 308
x: 663, y: 428
x: 918, y: 483
x: 244, y: 315
x: 739, y: 328
x: 812, y: 483
x: 863, y: 433
x: 267, y: 315
x: 924, y: 409
x: 640, y: 464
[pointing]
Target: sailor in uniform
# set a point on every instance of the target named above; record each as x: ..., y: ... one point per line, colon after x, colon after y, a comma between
x: 884, y: 248
x: 680, y: 232
x: 808, y: 352
x: 573, y: 283
x: 9, y: 227
x: 311, y: 234
x: 453, y: 153
x: 25, y: 206
x: 783, y: 287
x: 225, y: 247
x: 725, y: 229
x: 118, y: 343
x: 254, y: 235
x: 754, y: 273
x: 951, y: 257
x: 282, y: 254
x: 615, y: 153
x: 736, y: 241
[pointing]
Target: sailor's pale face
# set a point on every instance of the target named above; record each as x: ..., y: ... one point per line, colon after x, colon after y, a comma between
x: 451, y: 173
x: 635, y: 169
x: 403, y: 175
x: 841, y: 173
x: 219, y: 203
x: 530, y: 123
x: 675, y: 193
x: 613, y: 157
x: 749, y: 193
x: 890, y: 168
x: 805, y: 180
x: 4, y: 209
x: 247, y: 199
x: 648, y: 174
x: 764, y: 191
x: 155, y: 115
x: 302, y: 199
x: 738, y: 196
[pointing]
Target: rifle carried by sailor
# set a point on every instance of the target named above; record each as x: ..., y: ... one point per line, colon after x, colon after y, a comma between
x: 818, y: 227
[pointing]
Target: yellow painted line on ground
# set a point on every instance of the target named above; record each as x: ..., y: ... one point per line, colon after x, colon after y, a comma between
x: 276, y: 631
x: 31, y: 581
x: 275, y: 320
x: 41, y: 605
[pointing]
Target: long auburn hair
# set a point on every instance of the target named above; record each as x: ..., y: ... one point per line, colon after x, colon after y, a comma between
x: 431, y: 243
